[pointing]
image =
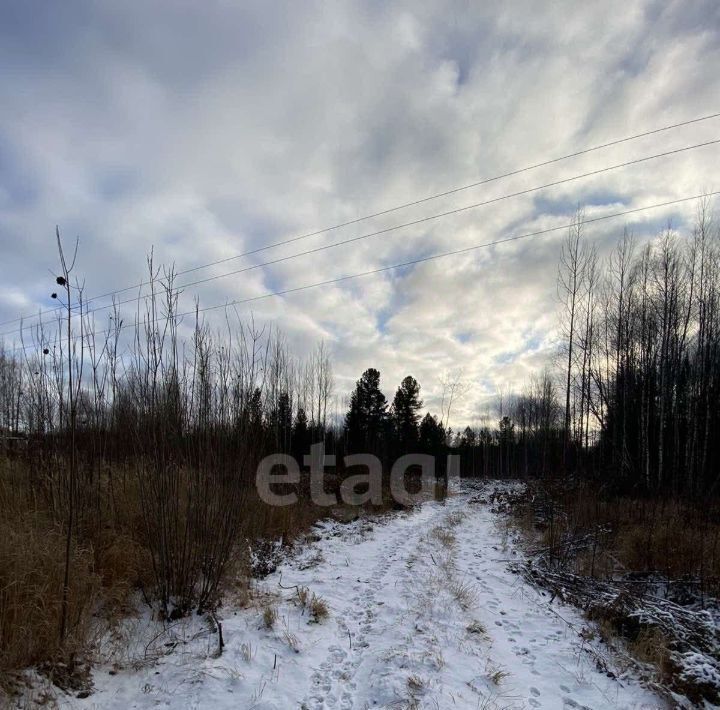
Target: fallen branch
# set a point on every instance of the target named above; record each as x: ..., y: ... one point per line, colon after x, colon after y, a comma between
x: 292, y: 586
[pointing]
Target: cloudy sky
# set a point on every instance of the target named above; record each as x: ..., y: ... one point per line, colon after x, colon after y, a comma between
x: 208, y: 129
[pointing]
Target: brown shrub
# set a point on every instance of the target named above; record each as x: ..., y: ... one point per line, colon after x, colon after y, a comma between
x: 123, y: 565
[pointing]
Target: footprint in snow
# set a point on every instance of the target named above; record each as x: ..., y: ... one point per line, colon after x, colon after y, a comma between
x: 337, y: 654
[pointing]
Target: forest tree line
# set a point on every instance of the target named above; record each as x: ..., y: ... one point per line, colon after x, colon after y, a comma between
x: 642, y: 368
x: 631, y: 398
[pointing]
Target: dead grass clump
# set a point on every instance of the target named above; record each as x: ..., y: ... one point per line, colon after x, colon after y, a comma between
x: 318, y: 609
x: 497, y: 675
x: 269, y: 616
x: 463, y: 593
x: 313, y: 560
x: 455, y: 518
x: 247, y: 652
x: 476, y: 627
x: 416, y: 685
x: 303, y: 596
x: 316, y: 606
x: 123, y: 565
x: 444, y: 535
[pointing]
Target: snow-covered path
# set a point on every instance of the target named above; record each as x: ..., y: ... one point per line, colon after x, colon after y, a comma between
x: 423, y: 613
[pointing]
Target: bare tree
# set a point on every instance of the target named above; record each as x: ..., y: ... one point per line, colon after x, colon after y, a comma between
x: 75, y: 361
x: 454, y: 388
x: 571, y: 275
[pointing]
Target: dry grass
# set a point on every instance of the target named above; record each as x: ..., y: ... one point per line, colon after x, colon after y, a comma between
x: 463, y: 593
x: 32, y: 549
x: 111, y: 559
x: 123, y: 565
x: 673, y: 543
x: 269, y: 616
x: 303, y: 596
x: 292, y: 641
x: 318, y: 609
x: 316, y: 606
x: 455, y: 518
x: 497, y: 675
x: 444, y: 536
x: 416, y: 685
x: 674, y: 538
x: 476, y: 627
x: 650, y: 646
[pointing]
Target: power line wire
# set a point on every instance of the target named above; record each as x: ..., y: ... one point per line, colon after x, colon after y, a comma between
x: 396, y: 208
x: 411, y: 262
x: 386, y: 230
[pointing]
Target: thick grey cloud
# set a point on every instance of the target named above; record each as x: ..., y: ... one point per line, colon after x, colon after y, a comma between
x: 208, y: 129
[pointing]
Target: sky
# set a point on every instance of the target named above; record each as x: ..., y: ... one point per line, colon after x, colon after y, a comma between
x: 203, y: 130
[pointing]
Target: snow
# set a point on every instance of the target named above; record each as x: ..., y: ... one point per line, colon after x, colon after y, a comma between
x: 423, y: 613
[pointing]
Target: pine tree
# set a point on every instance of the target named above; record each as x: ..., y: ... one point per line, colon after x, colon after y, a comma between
x: 406, y: 414
x: 432, y: 435
x: 467, y: 438
x: 366, y: 421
